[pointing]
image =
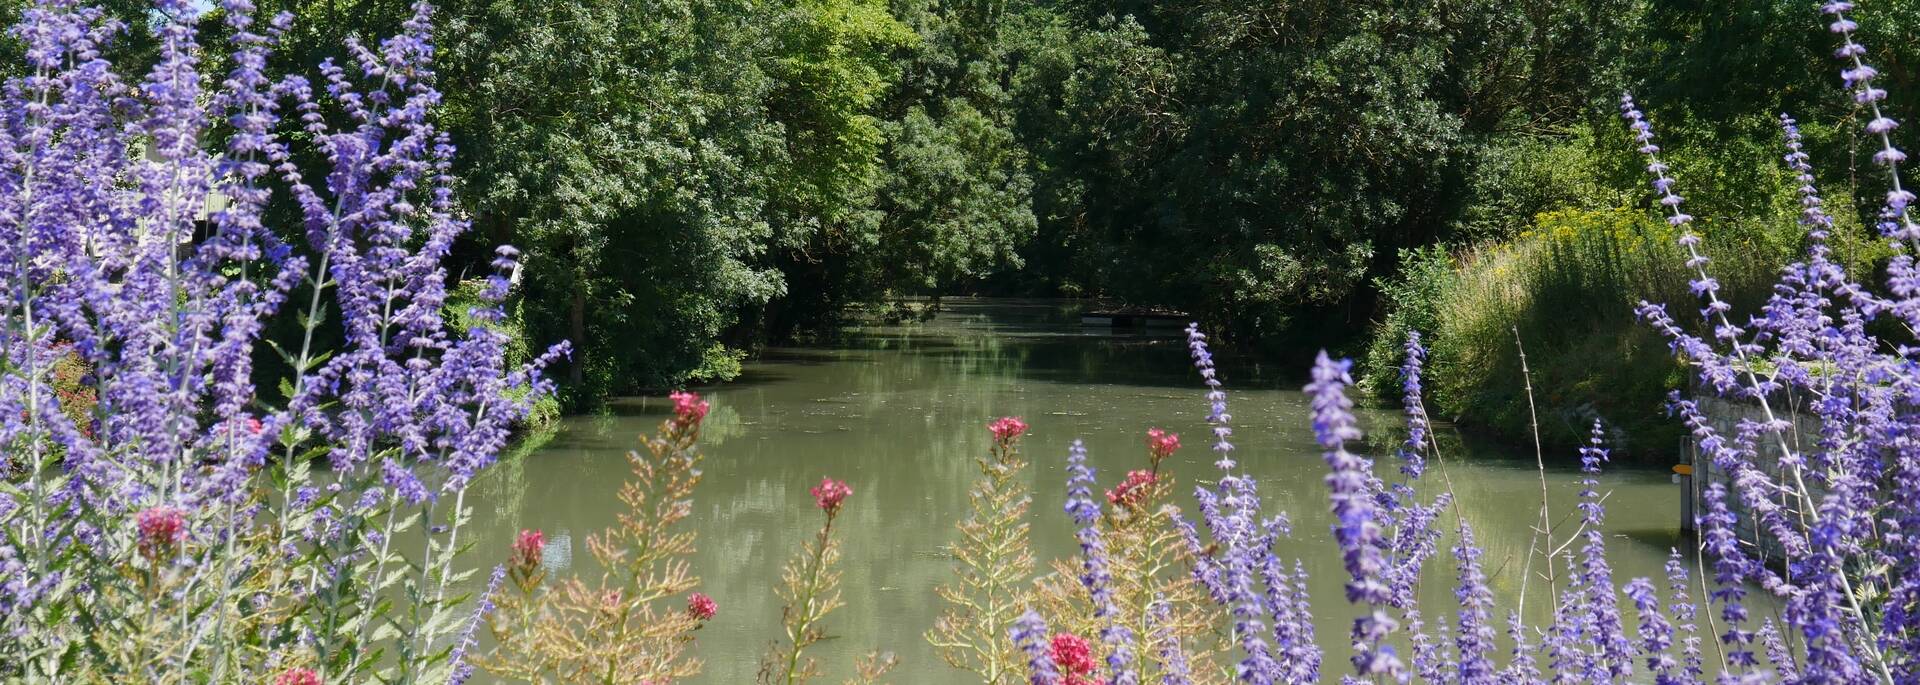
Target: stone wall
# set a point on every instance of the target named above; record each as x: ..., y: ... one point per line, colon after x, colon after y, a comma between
x: 1725, y: 417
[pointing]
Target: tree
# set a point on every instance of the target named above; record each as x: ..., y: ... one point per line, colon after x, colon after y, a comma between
x: 1257, y: 161
x: 656, y: 158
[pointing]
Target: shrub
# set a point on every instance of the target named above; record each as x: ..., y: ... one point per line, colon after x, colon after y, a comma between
x: 1567, y: 287
x: 634, y: 624
x: 166, y: 523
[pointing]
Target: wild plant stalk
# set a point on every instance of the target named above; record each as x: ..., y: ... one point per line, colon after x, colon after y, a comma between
x: 632, y: 625
x: 993, y: 566
x: 1544, y: 548
x: 872, y: 668
x: 811, y: 588
x: 1131, y: 587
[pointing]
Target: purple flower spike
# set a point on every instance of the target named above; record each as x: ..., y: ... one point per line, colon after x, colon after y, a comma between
x: 1029, y: 632
x: 1413, y: 452
x: 1095, y: 576
x: 1859, y: 77
x: 1216, y: 398
x: 1357, y: 528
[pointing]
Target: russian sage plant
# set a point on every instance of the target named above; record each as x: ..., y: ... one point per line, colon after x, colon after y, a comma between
x: 183, y: 523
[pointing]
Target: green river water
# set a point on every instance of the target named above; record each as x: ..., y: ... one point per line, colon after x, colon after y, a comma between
x: 899, y: 411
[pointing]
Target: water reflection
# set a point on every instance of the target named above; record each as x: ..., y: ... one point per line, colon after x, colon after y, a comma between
x: 899, y: 411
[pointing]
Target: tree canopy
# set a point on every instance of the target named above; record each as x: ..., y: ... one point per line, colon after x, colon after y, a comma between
x: 692, y: 178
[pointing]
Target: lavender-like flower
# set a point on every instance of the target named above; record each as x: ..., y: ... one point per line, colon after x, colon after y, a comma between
x: 1680, y: 606
x: 1241, y: 559
x: 1095, y: 576
x: 1216, y: 397
x: 1029, y: 632
x: 1615, y: 651
x: 1173, y: 655
x: 1413, y: 452
x: 1357, y: 529
x: 134, y: 241
x: 1654, y: 631
x: 1475, y: 640
x: 1859, y: 76
x: 462, y: 670
x: 1731, y: 569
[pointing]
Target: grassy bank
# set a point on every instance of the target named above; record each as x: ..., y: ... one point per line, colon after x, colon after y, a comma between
x: 1567, y: 287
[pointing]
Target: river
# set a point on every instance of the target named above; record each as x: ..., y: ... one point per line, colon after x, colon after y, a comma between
x: 899, y: 412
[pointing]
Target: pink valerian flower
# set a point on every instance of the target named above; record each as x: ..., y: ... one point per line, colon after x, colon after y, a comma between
x: 162, y: 528
x: 1006, y: 428
x: 688, y: 409
x: 1130, y: 491
x: 829, y: 494
x: 298, y: 676
x: 1162, y: 444
x: 701, y: 607
x: 1073, y: 655
x: 527, y: 549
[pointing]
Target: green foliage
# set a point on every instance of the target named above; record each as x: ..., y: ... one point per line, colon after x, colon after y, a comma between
x: 831, y: 67
x: 1413, y: 301
x: 1715, y: 76
x: 955, y: 202
x: 720, y: 363
x: 1253, y: 161
x: 1556, y: 262
x: 1520, y: 176
x: 1567, y: 288
x: 952, y: 203
x: 674, y: 169
x: 620, y: 144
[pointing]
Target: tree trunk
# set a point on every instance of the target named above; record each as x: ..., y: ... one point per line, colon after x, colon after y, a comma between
x: 577, y: 329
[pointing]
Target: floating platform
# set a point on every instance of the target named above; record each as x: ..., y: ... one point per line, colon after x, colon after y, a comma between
x: 1135, y: 318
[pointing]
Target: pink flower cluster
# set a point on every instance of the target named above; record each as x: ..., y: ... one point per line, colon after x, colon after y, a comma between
x: 701, y: 607
x: 1130, y: 491
x: 1162, y: 444
x: 161, y: 530
x: 829, y: 494
x: 527, y: 549
x: 688, y: 409
x: 298, y: 676
x: 1074, y: 657
x: 1006, y: 428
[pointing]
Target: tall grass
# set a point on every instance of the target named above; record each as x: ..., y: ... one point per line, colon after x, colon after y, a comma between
x: 1567, y: 286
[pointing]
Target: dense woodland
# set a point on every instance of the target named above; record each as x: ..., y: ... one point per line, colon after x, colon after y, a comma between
x: 691, y: 179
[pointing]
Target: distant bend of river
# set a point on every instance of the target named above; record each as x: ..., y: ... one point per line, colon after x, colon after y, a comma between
x: 900, y: 411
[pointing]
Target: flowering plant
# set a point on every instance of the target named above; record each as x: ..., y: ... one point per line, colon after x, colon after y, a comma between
x: 164, y: 518
x: 992, y: 564
x: 625, y: 627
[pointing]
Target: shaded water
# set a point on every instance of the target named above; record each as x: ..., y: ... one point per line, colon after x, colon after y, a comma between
x: 899, y: 413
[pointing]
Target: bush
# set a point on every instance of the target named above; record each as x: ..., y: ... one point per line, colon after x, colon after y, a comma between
x: 719, y: 363
x: 164, y: 519
x: 1568, y: 287
x: 1426, y: 275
